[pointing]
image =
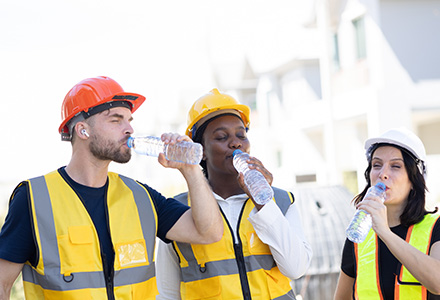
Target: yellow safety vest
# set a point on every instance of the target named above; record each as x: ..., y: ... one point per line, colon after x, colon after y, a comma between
x: 367, y: 284
x: 69, y: 257
x: 227, y: 270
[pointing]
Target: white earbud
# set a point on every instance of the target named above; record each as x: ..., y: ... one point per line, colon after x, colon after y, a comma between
x: 83, y: 131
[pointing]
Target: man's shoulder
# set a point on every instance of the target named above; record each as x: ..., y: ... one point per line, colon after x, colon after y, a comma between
x: 20, y: 190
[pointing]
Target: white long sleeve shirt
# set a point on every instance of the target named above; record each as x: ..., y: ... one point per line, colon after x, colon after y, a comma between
x: 283, y: 234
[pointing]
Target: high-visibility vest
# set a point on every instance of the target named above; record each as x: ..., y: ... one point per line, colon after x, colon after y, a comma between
x: 69, y: 257
x: 367, y: 284
x: 228, y: 270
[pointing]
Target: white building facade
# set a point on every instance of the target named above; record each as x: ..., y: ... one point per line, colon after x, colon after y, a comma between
x: 370, y: 66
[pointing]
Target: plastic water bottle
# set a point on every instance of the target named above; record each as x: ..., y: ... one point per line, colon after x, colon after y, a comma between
x: 257, y: 185
x: 361, y: 223
x: 184, y: 152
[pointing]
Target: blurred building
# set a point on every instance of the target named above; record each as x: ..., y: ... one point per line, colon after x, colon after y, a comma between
x: 356, y: 69
x: 325, y: 214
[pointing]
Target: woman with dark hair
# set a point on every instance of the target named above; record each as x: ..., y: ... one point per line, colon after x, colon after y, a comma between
x: 263, y: 247
x: 400, y: 258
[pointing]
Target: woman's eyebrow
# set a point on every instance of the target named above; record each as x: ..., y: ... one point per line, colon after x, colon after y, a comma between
x: 224, y: 128
x: 396, y: 158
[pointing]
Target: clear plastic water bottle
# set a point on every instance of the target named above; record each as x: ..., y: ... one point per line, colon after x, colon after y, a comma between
x: 361, y: 223
x: 184, y: 152
x: 257, y: 185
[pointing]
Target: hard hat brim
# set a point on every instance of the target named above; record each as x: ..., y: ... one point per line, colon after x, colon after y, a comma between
x: 134, y: 99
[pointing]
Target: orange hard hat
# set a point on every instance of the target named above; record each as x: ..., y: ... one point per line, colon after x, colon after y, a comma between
x: 93, y: 95
x: 212, y: 104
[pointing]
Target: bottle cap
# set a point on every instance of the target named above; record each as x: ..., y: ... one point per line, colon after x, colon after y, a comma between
x: 381, y: 186
x: 238, y: 151
x: 130, y: 142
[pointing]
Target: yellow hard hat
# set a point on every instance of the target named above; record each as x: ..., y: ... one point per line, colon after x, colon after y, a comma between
x: 211, y: 105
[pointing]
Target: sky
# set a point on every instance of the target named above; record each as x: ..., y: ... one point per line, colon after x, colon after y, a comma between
x: 161, y: 49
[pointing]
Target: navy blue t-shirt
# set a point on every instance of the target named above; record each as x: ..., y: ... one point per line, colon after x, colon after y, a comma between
x: 17, y: 240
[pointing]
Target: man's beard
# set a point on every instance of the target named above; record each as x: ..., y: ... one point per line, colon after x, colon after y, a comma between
x: 109, y: 150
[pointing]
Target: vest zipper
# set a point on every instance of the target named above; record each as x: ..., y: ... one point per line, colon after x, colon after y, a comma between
x: 108, y: 274
x: 108, y: 278
x: 238, y: 249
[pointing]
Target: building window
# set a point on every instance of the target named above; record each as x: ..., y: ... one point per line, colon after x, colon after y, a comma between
x: 336, y: 63
x: 250, y: 99
x: 305, y: 178
x: 359, y: 29
x: 279, y: 157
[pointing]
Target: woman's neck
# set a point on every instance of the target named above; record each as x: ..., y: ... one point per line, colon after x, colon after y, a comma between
x: 393, y: 215
x: 225, y: 186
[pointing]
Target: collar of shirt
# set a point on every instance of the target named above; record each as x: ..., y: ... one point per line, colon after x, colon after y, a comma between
x: 239, y: 197
x: 231, y: 207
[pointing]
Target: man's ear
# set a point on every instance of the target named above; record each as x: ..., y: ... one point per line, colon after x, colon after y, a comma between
x: 81, y: 130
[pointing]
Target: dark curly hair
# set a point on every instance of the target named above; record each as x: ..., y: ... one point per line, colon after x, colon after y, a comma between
x: 415, y: 207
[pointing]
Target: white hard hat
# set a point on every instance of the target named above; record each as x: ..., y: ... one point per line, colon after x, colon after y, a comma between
x: 404, y: 138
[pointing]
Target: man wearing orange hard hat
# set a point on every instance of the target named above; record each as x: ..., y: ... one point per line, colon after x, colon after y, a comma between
x: 82, y: 232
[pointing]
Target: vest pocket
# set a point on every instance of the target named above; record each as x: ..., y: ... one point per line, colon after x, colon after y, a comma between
x: 145, y: 290
x: 205, y: 289
x: 256, y: 246
x: 131, y: 254
x: 277, y: 283
x: 220, y: 250
x: 77, y: 251
x: 68, y: 295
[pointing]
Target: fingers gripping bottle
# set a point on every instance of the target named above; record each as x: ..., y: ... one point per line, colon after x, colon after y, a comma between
x: 257, y: 185
x: 361, y: 223
x: 184, y: 152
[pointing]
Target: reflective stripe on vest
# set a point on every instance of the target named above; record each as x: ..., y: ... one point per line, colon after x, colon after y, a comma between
x: 68, y: 245
x: 367, y: 284
x: 418, y: 236
x: 212, y: 271
x: 366, y: 257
